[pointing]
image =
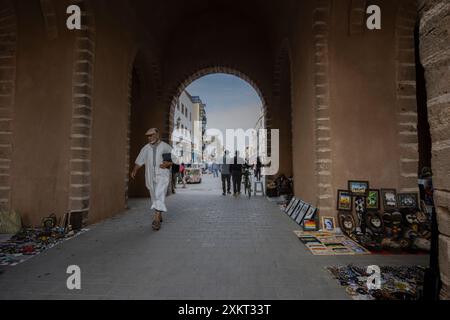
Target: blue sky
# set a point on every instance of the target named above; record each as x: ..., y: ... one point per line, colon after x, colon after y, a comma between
x: 231, y: 103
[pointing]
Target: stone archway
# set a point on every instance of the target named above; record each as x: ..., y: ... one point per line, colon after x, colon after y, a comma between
x: 144, y: 93
x: 181, y: 86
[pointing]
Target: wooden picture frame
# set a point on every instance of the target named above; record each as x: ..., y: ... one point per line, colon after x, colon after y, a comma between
x: 297, y: 209
x: 288, y: 207
x: 328, y: 224
x: 310, y: 225
x: 407, y: 201
x: 389, y: 197
x: 358, y: 188
x: 310, y: 213
x: 373, y: 200
x: 301, y: 215
x: 346, y: 205
x: 292, y: 208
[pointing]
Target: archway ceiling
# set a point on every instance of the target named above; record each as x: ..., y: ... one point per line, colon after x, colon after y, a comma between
x: 166, y: 17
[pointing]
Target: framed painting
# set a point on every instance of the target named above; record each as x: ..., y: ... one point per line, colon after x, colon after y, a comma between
x: 389, y: 199
x: 344, y: 200
x: 297, y: 210
x: 288, y: 207
x: 358, y: 188
x: 310, y: 213
x: 328, y: 224
x: 292, y: 208
x: 309, y: 225
x: 300, y: 216
x: 407, y: 200
x: 373, y: 200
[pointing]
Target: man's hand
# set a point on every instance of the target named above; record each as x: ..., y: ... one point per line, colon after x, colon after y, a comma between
x: 135, y: 171
x: 166, y: 165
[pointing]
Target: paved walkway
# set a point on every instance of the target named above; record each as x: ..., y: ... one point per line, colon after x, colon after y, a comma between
x: 210, y: 247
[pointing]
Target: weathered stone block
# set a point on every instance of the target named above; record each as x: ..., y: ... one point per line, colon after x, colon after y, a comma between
x: 443, y: 215
x: 406, y: 89
x: 79, y: 205
x: 80, y: 179
x: 438, y: 80
x: 80, y: 166
x: 409, y: 167
x: 441, y: 169
x: 407, y: 73
x: 444, y: 256
x: 79, y: 192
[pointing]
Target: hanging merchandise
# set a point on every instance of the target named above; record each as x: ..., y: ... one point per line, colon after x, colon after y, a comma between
x: 347, y: 223
x: 404, y: 225
x: 360, y: 208
x: 374, y: 223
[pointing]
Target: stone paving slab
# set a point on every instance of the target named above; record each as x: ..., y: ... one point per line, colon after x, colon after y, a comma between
x: 210, y: 247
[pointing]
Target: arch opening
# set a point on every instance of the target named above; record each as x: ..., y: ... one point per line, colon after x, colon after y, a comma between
x: 211, y: 105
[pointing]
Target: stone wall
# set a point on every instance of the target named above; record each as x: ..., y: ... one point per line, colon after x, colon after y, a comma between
x: 8, y: 58
x: 435, y: 57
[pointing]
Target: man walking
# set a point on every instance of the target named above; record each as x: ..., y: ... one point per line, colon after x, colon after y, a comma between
x: 157, y: 159
x: 215, y: 169
x: 236, y: 173
x: 226, y: 175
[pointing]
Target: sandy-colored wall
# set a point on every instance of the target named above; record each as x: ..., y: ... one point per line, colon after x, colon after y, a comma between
x: 362, y: 102
x: 144, y: 115
x: 42, y: 114
x: 114, y: 47
x: 303, y: 105
x: 363, y: 98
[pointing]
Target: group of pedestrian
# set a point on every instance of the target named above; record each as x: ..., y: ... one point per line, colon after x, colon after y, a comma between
x: 161, y: 168
x: 231, y: 171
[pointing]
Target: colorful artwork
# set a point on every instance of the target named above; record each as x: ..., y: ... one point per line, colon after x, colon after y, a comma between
x: 407, y: 200
x: 389, y: 199
x: 373, y: 200
x: 309, y: 225
x: 310, y: 213
x: 328, y: 223
x: 344, y: 200
x: 358, y: 188
x: 330, y: 244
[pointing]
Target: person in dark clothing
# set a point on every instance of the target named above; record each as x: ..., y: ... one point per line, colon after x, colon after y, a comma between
x: 236, y: 173
x: 175, y: 169
x: 226, y: 175
x: 258, y: 169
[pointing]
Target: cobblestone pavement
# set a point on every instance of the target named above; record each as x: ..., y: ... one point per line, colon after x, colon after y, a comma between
x: 210, y: 247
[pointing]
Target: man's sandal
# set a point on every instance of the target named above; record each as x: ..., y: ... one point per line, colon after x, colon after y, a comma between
x: 156, y: 225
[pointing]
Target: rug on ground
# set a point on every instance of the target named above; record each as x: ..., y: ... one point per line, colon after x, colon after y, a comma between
x: 30, y: 242
x: 396, y: 283
x: 330, y: 244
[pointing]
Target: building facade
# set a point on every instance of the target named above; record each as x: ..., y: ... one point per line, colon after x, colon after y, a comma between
x: 184, y: 128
